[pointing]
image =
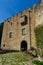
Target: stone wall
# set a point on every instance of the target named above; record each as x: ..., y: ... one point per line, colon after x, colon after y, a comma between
x: 13, y: 25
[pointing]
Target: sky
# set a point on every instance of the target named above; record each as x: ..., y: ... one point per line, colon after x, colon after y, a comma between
x: 9, y: 8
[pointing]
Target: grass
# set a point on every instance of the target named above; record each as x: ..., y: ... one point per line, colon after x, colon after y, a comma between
x: 14, y: 58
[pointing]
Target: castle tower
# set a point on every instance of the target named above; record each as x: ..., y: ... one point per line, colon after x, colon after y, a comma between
x: 39, y: 13
x: 39, y: 6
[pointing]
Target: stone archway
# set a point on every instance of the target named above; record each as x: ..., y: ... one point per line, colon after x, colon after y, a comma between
x: 23, y: 45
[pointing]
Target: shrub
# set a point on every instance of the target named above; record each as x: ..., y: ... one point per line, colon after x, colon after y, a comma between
x: 37, y: 62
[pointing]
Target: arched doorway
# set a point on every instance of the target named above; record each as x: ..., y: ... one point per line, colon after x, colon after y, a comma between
x: 23, y: 45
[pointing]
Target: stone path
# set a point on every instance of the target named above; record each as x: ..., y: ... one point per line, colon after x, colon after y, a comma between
x: 28, y: 63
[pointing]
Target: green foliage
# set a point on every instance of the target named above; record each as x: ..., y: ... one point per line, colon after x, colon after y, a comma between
x: 39, y: 36
x: 37, y: 62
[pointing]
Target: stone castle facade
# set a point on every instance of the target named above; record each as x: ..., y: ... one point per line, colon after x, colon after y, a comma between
x: 18, y: 31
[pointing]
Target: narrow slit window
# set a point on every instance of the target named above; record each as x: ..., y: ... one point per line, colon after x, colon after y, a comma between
x: 10, y: 35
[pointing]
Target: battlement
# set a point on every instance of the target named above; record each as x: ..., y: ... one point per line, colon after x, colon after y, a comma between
x: 18, y: 15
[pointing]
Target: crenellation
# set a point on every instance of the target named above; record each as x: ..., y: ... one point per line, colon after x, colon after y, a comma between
x: 9, y: 20
x: 19, y: 15
x: 24, y: 12
x: 15, y: 17
x: 29, y: 9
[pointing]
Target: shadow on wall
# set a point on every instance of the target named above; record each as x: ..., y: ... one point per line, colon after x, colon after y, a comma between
x: 1, y: 30
x: 7, y: 51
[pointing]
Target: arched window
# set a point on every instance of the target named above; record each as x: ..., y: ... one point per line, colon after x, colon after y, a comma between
x: 10, y: 35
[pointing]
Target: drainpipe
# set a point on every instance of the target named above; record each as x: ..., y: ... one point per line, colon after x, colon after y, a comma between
x: 30, y: 26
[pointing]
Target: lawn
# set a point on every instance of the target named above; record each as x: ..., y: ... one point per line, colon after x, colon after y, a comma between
x: 14, y: 58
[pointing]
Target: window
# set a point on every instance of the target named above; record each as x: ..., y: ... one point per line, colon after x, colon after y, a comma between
x: 8, y: 21
x: 11, y: 23
x: 23, y: 20
x: 10, y: 35
x: 23, y: 31
x: 3, y: 45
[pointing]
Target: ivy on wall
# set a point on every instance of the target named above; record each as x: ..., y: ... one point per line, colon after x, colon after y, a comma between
x: 39, y: 37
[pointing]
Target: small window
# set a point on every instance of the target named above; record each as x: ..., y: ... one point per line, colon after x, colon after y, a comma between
x: 23, y: 31
x: 11, y: 23
x: 8, y: 21
x: 3, y: 45
x: 10, y: 35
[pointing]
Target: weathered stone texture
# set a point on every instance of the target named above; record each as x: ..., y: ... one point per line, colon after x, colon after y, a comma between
x: 39, y: 18
x: 14, y: 43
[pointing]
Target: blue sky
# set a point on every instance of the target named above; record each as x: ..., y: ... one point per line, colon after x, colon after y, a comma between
x: 11, y: 7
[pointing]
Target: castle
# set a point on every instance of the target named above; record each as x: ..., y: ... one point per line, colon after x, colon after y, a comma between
x: 18, y: 31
